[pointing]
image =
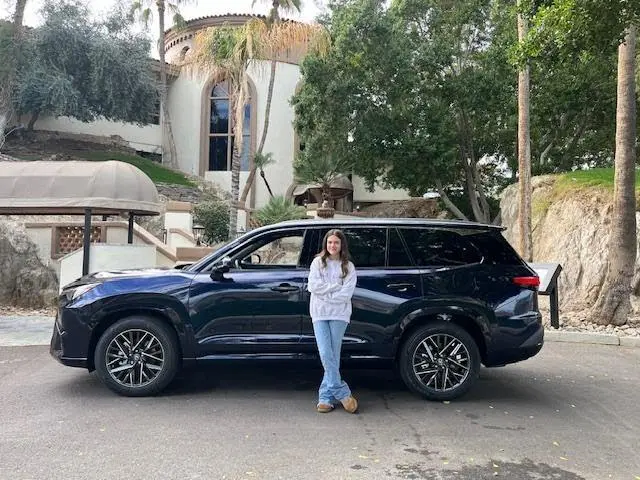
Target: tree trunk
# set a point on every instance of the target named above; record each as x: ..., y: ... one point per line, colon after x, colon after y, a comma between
x: 524, y: 153
x: 236, y: 103
x: 6, y: 106
x: 267, y: 110
x: 265, y: 127
x: 614, y: 302
x: 33, y: 120
x: 448, y: 203
x: 264, y: 178
x: 18, y: 16
x: 235, y: 188
x: 478, y: 199
x: 479, y: 214
x: 165, y: 117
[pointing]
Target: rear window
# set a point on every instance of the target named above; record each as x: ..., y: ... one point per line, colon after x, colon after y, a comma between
x: 495, y: 248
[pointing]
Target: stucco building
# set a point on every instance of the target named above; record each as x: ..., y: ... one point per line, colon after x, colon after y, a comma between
x: 199, y: 117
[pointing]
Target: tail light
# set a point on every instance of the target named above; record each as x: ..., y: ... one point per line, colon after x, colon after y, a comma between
x: 528, y: 282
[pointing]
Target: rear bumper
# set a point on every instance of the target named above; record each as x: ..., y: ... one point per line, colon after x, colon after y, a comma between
x: 57, y: 351
x: 528, y: 342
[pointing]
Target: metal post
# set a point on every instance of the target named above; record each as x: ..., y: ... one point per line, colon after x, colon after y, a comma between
x: 553, y: 306
x: 86, y: 241
x: 130, y: 234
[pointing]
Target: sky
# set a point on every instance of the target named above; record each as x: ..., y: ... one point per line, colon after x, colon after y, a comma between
x: 192, y: 9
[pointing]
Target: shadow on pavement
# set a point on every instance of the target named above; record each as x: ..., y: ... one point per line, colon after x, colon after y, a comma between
x: 494, y: 385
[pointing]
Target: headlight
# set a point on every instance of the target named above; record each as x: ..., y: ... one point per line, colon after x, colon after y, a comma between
x: 81, y: 290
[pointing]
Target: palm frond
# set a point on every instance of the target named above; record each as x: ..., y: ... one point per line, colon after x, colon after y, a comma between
x: 290, y: 6
x: 262, y: 160
x: 287, y: 6
x: 279, y: 209
x: 321, y: 171
x: 283, y: 37
x: 140, y: 13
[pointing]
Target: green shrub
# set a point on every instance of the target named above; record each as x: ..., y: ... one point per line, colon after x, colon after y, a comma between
x: 213, y: 215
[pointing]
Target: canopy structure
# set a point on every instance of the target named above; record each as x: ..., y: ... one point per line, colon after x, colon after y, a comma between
x: 70, y: 187
x: 77, y: 188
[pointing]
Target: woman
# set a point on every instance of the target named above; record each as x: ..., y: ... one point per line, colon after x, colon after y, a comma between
x: 332, y: 280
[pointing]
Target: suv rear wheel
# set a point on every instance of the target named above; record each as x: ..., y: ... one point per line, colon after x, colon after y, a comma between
x: 137, y: 356
x: 439, y: 361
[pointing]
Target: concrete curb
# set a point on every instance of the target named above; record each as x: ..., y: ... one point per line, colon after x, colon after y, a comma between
x: 552, y: 335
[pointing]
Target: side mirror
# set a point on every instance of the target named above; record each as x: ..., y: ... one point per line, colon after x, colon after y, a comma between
x: 253, y: 259
x: 222, y: 268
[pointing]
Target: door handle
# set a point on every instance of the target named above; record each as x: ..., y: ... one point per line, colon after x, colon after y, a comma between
x: 401, y: 287
x: 285, y: 287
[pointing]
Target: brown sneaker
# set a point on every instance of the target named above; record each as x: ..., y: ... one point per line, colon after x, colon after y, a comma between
x: 350, y: 404
x: 324, y: 407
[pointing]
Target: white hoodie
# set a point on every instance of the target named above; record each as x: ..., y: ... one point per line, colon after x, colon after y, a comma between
x: 330, y: 293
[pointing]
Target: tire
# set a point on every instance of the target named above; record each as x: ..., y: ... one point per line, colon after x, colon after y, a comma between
x: 437, y: 375
x: 149, y: 368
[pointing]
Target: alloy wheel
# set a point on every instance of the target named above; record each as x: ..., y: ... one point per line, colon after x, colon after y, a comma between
x: 441, y: 362
x: 134, y: 358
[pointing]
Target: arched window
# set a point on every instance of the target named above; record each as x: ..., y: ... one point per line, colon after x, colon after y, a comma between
x: 221, y: 130
x: 183, y: 52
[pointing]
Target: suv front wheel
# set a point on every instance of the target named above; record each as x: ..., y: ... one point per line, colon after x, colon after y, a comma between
x: 137, y: 356
x: 439, y: 361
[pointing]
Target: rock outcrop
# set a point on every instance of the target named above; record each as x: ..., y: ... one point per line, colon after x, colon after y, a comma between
x: 25, y: 280
x: 412, y: 208
x: 570, y: 227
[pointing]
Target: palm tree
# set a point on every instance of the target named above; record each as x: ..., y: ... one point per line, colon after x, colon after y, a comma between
x: 278, y: 37
x: 273, y: 23
x: 272, y: 20
x: 323, y: 172
x: 614, y: 302
x: 260, y: 161
x: 225, y: 54
x: 524, y: 149
x: 143, y: 9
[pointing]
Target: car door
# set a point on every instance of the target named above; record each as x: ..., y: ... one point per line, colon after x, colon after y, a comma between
x: 388, y: 284
x: 256, y: 307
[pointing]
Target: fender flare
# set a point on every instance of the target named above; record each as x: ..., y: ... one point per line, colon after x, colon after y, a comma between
x: 166, y: 307
x: 481, y: 317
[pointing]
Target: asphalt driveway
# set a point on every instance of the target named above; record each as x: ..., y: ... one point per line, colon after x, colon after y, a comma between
x: 570, y: 413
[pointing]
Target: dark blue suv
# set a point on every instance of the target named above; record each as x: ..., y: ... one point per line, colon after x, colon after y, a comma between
x: 434, y: 298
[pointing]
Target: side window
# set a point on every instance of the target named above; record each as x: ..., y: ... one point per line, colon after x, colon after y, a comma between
x: 398, y: 255
x: 280, y: 250
x: 367, y: 246
x: 437, y: 247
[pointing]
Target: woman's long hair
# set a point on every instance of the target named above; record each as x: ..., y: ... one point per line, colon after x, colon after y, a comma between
x: 344, y: 250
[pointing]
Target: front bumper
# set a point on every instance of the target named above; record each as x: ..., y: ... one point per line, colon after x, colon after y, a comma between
x: 59, y: 350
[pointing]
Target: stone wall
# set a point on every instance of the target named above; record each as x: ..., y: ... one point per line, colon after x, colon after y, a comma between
x: 571, y: 229
x: 25, y: 280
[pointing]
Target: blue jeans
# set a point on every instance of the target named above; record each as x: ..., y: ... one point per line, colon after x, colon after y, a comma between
x: 329, y: 335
